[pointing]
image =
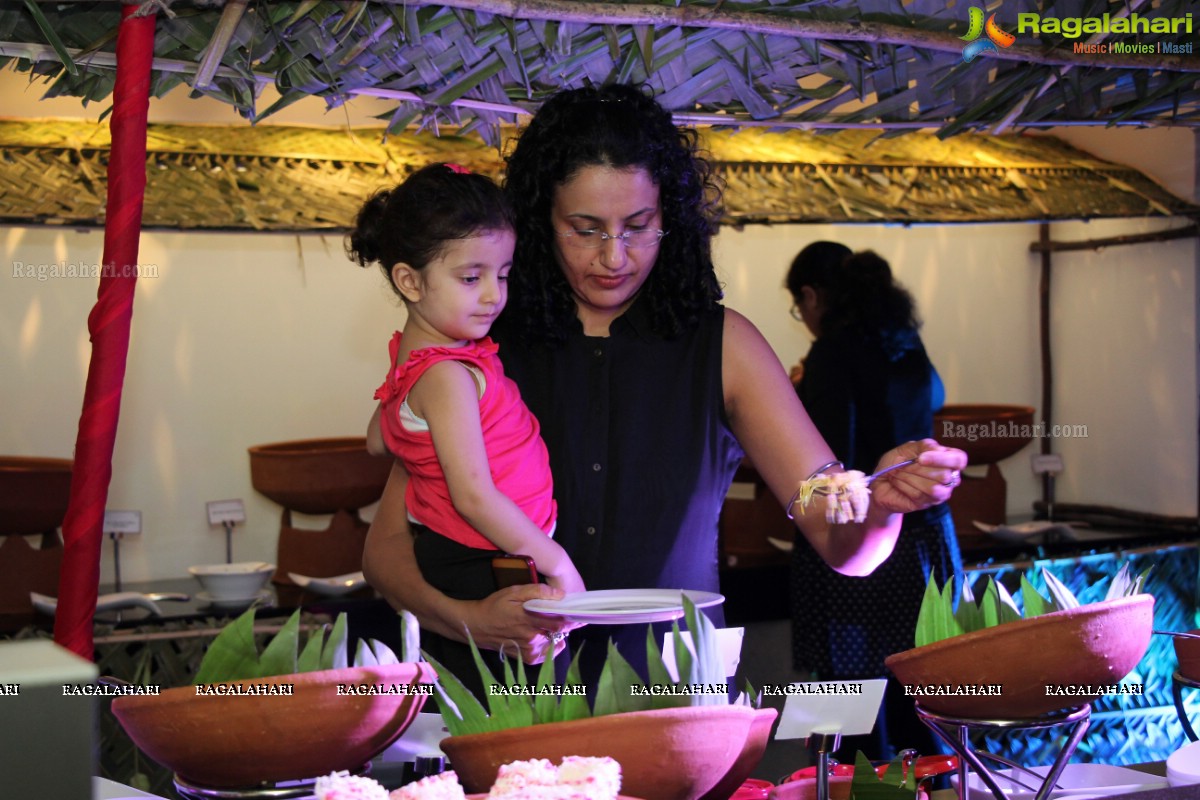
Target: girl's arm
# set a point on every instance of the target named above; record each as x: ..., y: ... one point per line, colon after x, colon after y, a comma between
x: 495, y: 622
x: 446, y: 396
x: 785, y: 448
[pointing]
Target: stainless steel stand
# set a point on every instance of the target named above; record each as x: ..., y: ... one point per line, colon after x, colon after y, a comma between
x: 283, y: 790
x: 1177, y: 684
x: 823, y: 744
x: 956, y: 734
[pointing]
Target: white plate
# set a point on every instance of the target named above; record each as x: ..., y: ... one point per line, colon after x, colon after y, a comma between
x: 207, y: 599
x: 622, y: 606
x: 332, y: 587
x: 105, y: 602
x: 1077, y: 782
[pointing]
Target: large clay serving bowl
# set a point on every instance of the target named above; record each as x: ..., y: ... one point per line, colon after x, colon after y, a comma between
x: 1091, y: 646
x: 986, y: 433
x: 666, y: 754
x: 225, y: 741
x: 319, y: 476
x: 33, y: 494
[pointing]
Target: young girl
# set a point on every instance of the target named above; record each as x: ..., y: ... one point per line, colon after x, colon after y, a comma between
x: 479, y: 474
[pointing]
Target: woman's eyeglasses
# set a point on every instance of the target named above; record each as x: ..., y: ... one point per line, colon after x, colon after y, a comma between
x: 592, y: 239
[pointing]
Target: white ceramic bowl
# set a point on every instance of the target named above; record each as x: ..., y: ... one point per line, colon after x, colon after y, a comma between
x: 239, y: 581
x: 1183, y: 766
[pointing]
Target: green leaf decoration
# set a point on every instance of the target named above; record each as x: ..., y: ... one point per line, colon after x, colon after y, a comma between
x: 867, y: 785
x: 1033, y: 601
x: 461, y: 710
x: 968, y: 615
x: 279, y: 656
x: 1008, y: 608
x: 709, y: 667
x: 573, y: 706
x: 659, y: 675
x: 989, y: 606
x: 333, y: 653
x: 685, y: 663
x: 617, y: 691
x: 310, y: 657
x: 233, y: 655
x: 1061, y: 598
x: 935, y: 620
x: 545, y: 707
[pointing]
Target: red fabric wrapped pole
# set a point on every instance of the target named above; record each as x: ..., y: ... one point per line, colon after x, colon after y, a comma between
x: 108, y: 325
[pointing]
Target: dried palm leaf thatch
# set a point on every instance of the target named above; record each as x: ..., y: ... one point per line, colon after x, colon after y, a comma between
x: 275, y: 178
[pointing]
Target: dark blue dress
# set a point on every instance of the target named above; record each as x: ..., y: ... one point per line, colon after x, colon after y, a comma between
x: 866, y: 396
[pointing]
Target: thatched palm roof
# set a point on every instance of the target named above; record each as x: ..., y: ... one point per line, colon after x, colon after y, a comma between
x: 876, y: 71
x: 893, y: 64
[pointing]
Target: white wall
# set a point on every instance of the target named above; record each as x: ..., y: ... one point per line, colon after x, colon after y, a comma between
x: 1123, y: 340
x: 244, y: 339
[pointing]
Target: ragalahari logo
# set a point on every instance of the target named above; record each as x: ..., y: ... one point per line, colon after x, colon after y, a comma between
x: 996, y: 38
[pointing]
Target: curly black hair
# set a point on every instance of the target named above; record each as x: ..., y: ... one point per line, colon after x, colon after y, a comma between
x: 618, y: 126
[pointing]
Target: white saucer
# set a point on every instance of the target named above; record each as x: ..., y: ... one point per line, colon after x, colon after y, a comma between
x: 207, y: 599
x: 331, y: 587
x: 115, y: 601
x: 622, y: 606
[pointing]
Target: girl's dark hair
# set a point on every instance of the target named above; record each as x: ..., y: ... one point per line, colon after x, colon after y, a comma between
x: 860, y: 294
x: 622, y: 127
x: 413, y: 222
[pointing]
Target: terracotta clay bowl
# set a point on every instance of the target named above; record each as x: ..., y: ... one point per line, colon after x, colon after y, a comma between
x: 1000, y: 431
x: 748, y: 759
x: 1187, y: 650
x: 1091, y: 646
x: 319, y: 476
x: 33, y: 494
x: 666, y: 754
x: 239, y: 742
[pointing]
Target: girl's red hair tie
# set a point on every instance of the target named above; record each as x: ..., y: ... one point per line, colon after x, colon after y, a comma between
x: 459, y: 168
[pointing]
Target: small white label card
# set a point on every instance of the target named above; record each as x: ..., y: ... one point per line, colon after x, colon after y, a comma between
x: 123, y: 523
x: 729, y: 642
x: 845, y: 707
x: 222, y: 511
x: 1046, y: 462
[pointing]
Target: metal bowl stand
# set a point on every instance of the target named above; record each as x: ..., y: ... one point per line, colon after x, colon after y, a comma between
x: 955, y: 732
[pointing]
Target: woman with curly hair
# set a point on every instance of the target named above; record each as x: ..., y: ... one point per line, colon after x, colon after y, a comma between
x: 648, y: 391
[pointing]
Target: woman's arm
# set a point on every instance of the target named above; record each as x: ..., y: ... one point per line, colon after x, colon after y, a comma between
x: 785, y: 447
x: 498, y: 620
x: 446, y: 397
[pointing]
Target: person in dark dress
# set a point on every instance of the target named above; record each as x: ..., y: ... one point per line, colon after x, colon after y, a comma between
x: 868, y: 385
x: 648, y: 391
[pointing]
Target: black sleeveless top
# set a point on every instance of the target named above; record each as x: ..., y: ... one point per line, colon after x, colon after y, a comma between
x: 641, y: 452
